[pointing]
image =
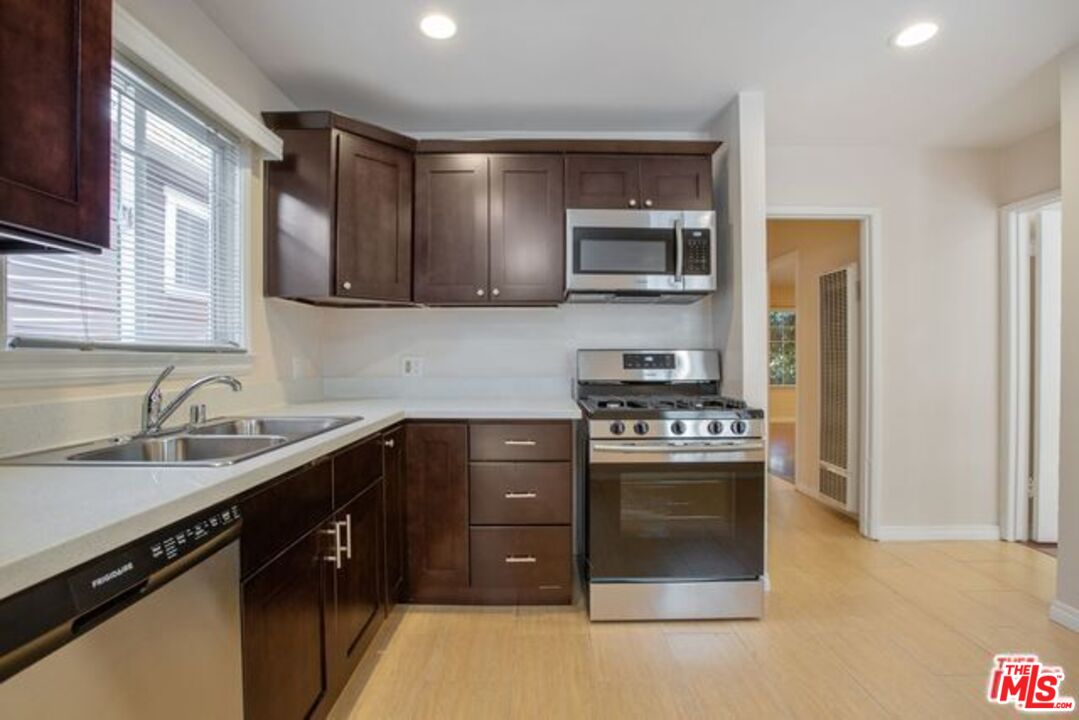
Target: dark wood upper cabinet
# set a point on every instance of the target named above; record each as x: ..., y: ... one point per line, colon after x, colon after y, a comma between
x: 603, y: 181
x: 283, y: 660
x: 527, y: 211
x: 356, y: 611
x: 55, y: 83
x: 436, y: 510
x: 675, y: 182
x: 394, y: 491
x: 338, y: 212
x: 451, y: 229
x: 374, y: 220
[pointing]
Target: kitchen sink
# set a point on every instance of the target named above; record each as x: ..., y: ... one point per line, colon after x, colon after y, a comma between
x: 290, y: 427
x: 181, y: 449
x: 223, y: 441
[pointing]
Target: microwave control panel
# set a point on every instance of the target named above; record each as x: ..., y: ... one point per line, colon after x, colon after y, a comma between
x: 698, y: 250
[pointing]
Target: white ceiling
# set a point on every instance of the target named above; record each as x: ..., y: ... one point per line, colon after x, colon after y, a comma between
x: 670, y: 65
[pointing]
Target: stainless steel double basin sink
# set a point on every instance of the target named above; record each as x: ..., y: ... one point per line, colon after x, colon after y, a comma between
x: 218, y: 442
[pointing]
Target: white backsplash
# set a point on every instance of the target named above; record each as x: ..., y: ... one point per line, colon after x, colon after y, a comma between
x: 470, y: 351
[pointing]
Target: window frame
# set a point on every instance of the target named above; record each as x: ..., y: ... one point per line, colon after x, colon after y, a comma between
x: 793, y: 312
x: 36, y: 366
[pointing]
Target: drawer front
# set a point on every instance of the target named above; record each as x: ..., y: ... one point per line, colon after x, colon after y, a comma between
x: 520, y: 493
x: 355, y: 468
x: 520, y: 441
x: 530, y: 559
x: 279, y: 515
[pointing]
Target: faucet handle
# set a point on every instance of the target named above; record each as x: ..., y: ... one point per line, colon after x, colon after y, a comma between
x: 156, y: 386
x: 151, y: 403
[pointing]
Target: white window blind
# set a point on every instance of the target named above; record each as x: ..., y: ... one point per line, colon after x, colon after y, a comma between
x: 172, y: 279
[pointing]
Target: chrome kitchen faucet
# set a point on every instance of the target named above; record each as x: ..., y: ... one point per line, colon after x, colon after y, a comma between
x: 154, y: 416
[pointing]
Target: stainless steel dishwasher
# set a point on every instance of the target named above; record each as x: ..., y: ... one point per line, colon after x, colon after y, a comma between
x: 149, y: 630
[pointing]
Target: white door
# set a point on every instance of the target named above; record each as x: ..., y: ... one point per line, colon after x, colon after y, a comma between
x: 1045, y: 226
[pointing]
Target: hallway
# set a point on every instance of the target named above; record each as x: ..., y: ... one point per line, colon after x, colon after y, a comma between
x: 853, y: 629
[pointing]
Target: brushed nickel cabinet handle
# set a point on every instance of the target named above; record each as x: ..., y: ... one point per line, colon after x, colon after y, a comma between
x: 496, y: 292
x: 520, y: 443
x: 390, y: 443
x: 480, y: 292
x: 348, y: 535
x: 633, y: 202
x: 521, y: 495
x: 346, y: 285
x: 520, y: 559
x: 648, y: 203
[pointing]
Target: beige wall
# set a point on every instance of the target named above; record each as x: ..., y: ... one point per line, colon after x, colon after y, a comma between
x: 817, y: 246
x: 1029, y: 167
x: 938, y: 319
x: 1068, y: 566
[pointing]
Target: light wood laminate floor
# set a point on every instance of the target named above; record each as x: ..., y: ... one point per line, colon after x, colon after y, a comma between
x: 854, y: 629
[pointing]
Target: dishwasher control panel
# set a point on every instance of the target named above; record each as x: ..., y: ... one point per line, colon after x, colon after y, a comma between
x: 100, y: 580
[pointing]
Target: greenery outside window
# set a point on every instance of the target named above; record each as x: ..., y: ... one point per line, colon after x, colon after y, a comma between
x: 781, y: 347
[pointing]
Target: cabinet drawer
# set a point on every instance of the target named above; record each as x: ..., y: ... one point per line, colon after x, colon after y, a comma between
x: 529, y: 559
x: 520, y: 493
x: 355, y: 468
x: 520, y: 441
x: 282, y: 513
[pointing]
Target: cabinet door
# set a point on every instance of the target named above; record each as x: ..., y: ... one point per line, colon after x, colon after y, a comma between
x: 436, y: 509
x: 451, y: 229
x: 356, y: 611
x: 284, y: 674
x: 603, y: 181
x: 527, y: 229
x: 394, y: 489
x: 374, y: 220
x: 677, y: 183
x: 55, y: 80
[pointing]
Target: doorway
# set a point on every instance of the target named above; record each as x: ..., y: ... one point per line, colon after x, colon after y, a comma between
x: 1031, y: 248
x: 814, y: 356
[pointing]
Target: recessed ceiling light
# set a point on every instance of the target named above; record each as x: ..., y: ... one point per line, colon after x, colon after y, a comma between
x: 437, y: 26
x: 915, y: 34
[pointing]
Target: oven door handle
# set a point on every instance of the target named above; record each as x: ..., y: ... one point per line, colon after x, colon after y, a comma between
x: 734, y: 446
x: 736, y: 451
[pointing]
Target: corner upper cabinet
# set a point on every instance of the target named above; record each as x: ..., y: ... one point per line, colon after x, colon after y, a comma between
x: 338, y: 212
x: 55, y: 84
x: 489, y: 229
x: 645, y: 182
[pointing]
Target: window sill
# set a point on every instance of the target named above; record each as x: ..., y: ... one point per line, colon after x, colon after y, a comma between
x: 35, y: 367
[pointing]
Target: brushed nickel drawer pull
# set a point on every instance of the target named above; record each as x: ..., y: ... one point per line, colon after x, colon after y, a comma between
x: 519, y: 559
x: 335, y: 531
x: 520, y: 443
x: 521, y: 495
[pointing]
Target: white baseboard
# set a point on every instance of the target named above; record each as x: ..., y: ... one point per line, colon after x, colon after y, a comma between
x: 938, y: 532
x: 1064, y: 614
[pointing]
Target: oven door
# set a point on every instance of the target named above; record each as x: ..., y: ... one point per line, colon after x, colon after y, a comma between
x: 638, y: 251
x: 684, y: 515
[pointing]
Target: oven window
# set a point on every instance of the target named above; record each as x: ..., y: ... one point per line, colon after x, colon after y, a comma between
x: 623, y: 251
x: 662, y: 522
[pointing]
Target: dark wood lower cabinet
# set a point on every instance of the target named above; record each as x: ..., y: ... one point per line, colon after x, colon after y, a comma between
x: 437, y: 511
x: 355, y: 609
x: 284, y: 671
x: 394, y: 455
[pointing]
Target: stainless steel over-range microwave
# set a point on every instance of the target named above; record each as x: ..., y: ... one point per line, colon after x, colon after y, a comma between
x: 640, y: 255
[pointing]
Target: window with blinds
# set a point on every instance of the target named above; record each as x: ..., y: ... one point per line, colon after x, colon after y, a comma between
x: 172, y: 279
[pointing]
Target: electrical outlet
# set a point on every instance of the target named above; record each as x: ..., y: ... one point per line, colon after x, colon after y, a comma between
x: 412, y: 366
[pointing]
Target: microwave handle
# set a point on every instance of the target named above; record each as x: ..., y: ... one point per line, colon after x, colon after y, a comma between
x: 679, y: 251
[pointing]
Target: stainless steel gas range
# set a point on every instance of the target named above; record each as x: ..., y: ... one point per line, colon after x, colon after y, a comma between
x: 673, y: 493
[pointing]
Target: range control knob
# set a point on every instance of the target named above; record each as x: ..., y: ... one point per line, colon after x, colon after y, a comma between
x: 738, y: 427
x: 618, y: 427
x: 678, y: 427
x: 640, y: 427
x: 715, y: 427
